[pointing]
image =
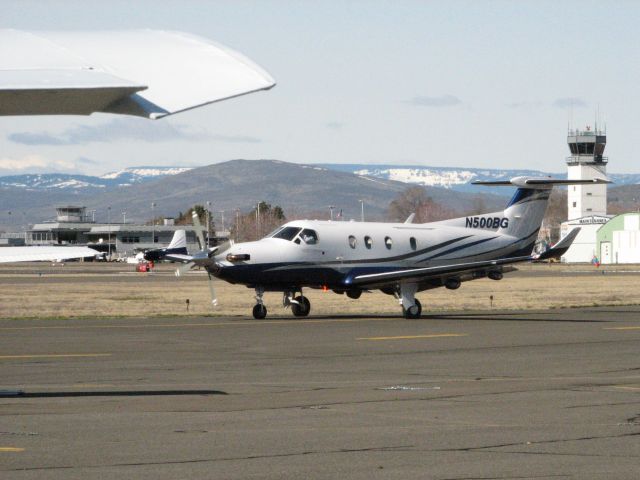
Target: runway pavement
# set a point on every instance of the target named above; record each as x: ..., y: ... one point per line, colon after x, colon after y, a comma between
x: 552, y: 394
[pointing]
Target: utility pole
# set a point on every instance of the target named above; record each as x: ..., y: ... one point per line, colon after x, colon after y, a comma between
x: 237, y: 223
x: 109, y: 229
x: 258, y: 221
x: 362, y: 210
x: 153, y: 222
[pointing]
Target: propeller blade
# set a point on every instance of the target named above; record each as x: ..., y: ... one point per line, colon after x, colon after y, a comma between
x: 184, y: 268
x: 214, y: 299
x: 198, y: 227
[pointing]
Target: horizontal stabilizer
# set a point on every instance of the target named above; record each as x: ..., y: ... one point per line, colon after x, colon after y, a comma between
x: 147, y: 73
x: 539, y: 182
x: 559, y: 248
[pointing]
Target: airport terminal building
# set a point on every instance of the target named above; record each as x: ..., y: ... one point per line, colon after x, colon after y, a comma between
x: 73, y: 226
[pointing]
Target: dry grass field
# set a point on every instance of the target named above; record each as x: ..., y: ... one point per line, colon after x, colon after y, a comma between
x: 39, y: 290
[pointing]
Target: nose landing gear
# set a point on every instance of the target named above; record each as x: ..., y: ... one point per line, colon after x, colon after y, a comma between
x: 259, y: 310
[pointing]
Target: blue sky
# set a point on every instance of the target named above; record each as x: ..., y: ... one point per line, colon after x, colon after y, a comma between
x: 475, y: 84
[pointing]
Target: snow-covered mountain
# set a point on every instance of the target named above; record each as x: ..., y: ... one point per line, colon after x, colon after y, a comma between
x: 65, y: 181
x: 455, y: 178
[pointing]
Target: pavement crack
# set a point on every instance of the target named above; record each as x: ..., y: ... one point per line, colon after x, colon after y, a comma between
x: 394, y: 448
x: 537, y: 442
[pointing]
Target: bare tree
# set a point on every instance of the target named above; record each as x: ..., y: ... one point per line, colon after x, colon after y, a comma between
x: 415, y: 200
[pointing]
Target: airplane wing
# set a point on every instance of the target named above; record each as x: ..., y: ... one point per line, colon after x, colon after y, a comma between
x: 147, y: 73
x: 44, y: 254
x: 375, y: 280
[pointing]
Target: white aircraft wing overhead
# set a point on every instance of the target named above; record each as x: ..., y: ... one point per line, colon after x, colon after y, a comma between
x: 44, y: 254
x: 148, y: 73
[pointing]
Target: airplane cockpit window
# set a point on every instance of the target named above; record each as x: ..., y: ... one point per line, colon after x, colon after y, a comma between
x: 413, y: 243
x: 368, y: 242
x: 287, y: 233
x: 271, y: 234
x: 388, y: 242
x: 310, y: 237
x: 352, y: 241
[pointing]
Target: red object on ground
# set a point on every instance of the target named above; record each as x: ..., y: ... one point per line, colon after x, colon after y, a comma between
x: 142, y: 267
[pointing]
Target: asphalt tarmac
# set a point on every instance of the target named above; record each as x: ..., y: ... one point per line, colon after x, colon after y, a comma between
x: 484, y: 395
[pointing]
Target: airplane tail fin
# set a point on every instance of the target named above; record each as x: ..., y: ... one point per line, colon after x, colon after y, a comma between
x: 523, y: 215
x: 179, y: 240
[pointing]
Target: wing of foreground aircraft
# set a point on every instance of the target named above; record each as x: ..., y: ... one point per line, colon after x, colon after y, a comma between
x: 147, y: 73
x: 44, y: 254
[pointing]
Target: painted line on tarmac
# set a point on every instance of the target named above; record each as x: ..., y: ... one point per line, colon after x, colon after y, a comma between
x: 11, y: 449
x: 621, y: 328
x: 62, y: 355
x: 625, y: 387
x: 411, y: 337
x: 220, y: 324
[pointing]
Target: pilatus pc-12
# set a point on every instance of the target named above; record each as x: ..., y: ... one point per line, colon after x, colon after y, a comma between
x: 399, y: 259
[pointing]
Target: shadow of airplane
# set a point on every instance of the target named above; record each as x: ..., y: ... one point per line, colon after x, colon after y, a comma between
x: 107, y: 393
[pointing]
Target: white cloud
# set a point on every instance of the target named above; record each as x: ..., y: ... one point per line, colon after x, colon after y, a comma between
x: 441, y: 101
x: 34, y: 163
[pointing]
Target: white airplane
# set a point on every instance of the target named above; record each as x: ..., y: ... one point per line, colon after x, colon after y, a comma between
x: 147, y: 73
x: 399, y: 259
x: 55, y: 254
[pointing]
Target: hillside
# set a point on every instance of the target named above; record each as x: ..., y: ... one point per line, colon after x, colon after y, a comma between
x: 231, y: 185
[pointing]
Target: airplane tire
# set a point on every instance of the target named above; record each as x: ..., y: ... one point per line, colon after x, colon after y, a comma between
x: 414, y: 311
x: 301, y: 309
x: 259, y: 311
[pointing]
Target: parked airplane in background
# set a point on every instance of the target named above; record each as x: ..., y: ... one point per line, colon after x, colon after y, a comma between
x: 45, y: 253
x: 178, y: 246
x: 399, y: 259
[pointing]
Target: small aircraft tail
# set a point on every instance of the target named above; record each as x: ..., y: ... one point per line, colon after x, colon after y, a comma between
x: 179, y: 240
x: 524, y: 213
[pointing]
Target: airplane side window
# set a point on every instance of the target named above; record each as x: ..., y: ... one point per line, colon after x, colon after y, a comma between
x: 352, y: 241
x: 388, y: 242
x: 287, y: 233
x: 413, y: 243
x: 310, y: 237
x: 368, y: 242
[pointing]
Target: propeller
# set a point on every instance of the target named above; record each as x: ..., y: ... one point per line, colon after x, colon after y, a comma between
x: 201, y: 257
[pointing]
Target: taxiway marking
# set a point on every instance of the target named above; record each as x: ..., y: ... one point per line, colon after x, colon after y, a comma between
x: 411, y: 337
x: 11, y: 449
x: 220, y: 324
x: 61, y: 355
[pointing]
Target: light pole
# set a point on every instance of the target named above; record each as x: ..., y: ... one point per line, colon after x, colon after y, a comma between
x: 258, y: 221
x: 362, y: 210
x: 221, y: 212
x: 124, y: 217
x: 237, y: 223
x: 153, y: 222
x: 208, y: 221
x: 331, y: 207
x: 109, y: 229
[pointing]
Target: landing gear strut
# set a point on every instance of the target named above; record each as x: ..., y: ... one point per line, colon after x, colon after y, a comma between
x: 411, y: 307
x: 300, y: 305
x: 259, y: 310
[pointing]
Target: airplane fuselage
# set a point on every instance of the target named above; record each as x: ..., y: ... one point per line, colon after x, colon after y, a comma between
x: 329, y: 254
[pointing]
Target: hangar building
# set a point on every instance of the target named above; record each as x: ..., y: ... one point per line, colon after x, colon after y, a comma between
x: 619, y: 239
x: 73, y: 226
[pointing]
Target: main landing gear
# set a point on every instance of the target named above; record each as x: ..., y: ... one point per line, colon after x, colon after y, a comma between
x: 411, y: 306
x: 300, y: 305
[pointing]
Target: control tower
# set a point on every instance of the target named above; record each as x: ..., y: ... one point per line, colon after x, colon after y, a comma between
x: 585, y: 163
